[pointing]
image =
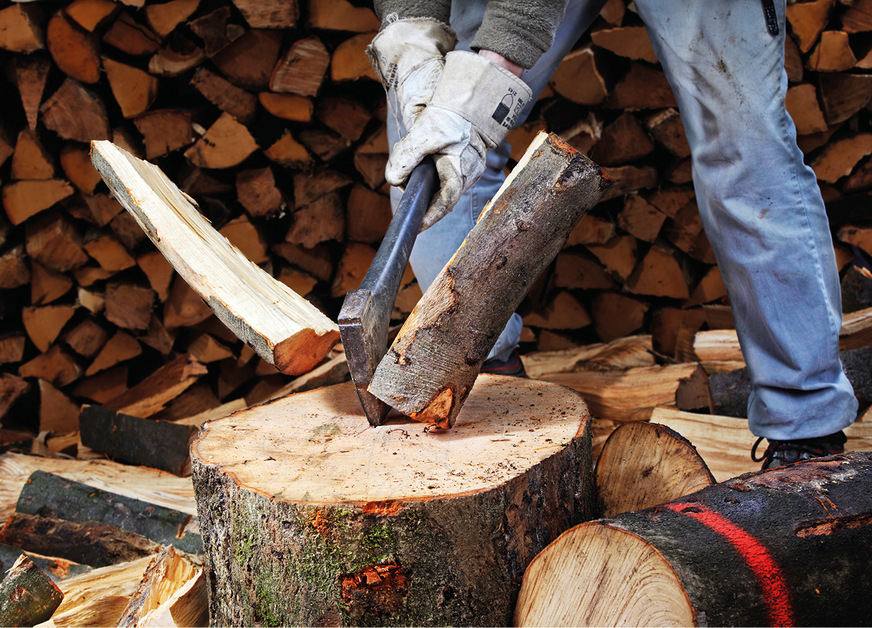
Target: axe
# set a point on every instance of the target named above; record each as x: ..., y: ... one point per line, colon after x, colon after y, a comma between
x: 366, y: 312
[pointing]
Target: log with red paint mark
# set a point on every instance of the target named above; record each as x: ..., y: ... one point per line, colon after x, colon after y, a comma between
x: 784, y: 547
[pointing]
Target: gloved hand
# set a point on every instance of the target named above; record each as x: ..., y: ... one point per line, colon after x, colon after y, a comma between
x: 474, y: 105
x: 408, y: 55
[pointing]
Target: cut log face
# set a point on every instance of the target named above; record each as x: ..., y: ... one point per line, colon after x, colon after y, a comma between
x: 644, y: 464
x: 785, y: 547
x: 392, y: 525
x: 285, y: 329
x: 431, y: 366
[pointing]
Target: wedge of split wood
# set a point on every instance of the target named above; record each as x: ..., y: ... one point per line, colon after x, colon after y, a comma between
x: 281, y: 326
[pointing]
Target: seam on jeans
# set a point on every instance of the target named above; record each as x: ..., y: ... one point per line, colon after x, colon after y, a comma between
x: 813, y: 245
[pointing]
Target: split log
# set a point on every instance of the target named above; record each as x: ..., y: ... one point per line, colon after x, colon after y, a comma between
x: 74, y: 51
x: 49, y: 495
x: 99, y: 597
x: 172, y: 593
x: 158, y: 444
x: 281, y: 326
x: 404, y: 524
x: 725, y: 442
x: 132, y: 37
x: 627, y: 352
x: 21, y: 28
x: 90, y: 543
x: 23, y: 199
x: 432, y: 364
x: 27, y: 595
x: 644, y: 464
x: 150, y: 395
x: 632, y: 394
x: 757, y: 550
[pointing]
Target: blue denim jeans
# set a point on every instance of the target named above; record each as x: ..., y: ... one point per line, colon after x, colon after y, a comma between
x: 759, y: 203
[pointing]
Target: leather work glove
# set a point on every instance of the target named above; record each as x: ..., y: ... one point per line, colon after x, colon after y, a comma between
x: 474, y: 105
x: 408, y: 55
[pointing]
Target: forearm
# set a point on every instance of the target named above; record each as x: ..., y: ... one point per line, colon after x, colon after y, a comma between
x: 519, y: 30
x: 437, y: 9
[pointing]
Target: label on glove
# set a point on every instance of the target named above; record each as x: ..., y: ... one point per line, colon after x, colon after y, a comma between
x: 488, y: 96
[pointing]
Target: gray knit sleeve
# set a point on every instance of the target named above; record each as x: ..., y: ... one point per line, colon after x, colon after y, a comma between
x: 439, y: 9
x: 520, y: 30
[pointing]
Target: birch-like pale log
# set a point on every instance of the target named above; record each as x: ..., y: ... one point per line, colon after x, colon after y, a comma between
x: 281, y: 326
x: 432, y: 365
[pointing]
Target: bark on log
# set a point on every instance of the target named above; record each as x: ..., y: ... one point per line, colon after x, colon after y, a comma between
x: 134, y: 440
x: 730, y: 391
x: 27, y: 595
x: 87, y: 542
x: 785, y: 547
x: 310, y: 515
x: 49, y: 495
x: 433, y: 363
x: 285, y: 329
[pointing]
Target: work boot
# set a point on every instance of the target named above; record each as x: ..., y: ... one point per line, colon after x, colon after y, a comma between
x: 512, y: 366
x: 782, y: 452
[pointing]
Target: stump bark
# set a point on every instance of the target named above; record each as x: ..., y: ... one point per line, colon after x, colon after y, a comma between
x: 312, y: 517
x: 785, y: 547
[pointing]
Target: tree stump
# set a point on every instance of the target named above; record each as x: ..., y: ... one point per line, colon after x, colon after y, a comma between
x: 312, y: 517
x: 790, y: 546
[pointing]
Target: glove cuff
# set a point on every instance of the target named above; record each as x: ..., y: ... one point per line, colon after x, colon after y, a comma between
x: 488, y: 96
x: 404, y: 44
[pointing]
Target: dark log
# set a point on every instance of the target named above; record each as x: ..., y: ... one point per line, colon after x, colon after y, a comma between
x: 310, y: 516
x: 90, y: 543
x: 49, y: 495
x: 730, y: 391
x: 57, y: 569
x: 431, y: 366
x: 785, y: 547
x: 157, y: 444
x: 27, y: 595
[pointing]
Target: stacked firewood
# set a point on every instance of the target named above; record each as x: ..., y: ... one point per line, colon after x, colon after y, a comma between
x: 272, y: 120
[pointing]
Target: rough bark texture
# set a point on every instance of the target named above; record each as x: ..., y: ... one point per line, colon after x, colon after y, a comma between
x: 311, y: 517
x: 785, y: 547
x: 27, y: 595
x: 432, y: 365
x: 49, y: 495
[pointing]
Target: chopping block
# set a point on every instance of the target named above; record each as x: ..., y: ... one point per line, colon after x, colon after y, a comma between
x: 310, y: 516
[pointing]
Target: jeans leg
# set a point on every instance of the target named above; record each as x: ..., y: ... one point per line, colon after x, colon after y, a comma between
x: 761, y: 209
x: 435, y: 246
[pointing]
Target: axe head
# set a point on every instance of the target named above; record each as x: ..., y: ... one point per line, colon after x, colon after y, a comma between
x: 365, y: 316
x: 364, y: 334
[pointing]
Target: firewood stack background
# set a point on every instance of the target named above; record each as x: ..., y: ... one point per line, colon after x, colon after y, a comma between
x: 270, y: 117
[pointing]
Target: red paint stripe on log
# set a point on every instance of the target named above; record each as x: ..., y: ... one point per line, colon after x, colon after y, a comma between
x: 767, y: 572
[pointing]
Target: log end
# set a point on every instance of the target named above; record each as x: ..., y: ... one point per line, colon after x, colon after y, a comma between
x: 618, y: 579
x: 303, y: 351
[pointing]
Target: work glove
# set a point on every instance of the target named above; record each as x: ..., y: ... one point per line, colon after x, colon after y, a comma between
x: 408, y: 55
x: 474, y: 105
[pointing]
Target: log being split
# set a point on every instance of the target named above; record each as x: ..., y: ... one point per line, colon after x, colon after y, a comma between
x: 281, y: 326
x: 434, y: 360
x: 312, y: 517
x: 785, y: 547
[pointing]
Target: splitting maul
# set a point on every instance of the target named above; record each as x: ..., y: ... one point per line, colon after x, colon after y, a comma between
x: 364, y: 319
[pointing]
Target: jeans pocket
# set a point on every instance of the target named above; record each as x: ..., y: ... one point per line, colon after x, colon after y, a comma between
x: 771, y: 17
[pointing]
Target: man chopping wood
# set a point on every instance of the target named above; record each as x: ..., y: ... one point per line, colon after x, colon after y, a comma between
x: 460, y: 75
